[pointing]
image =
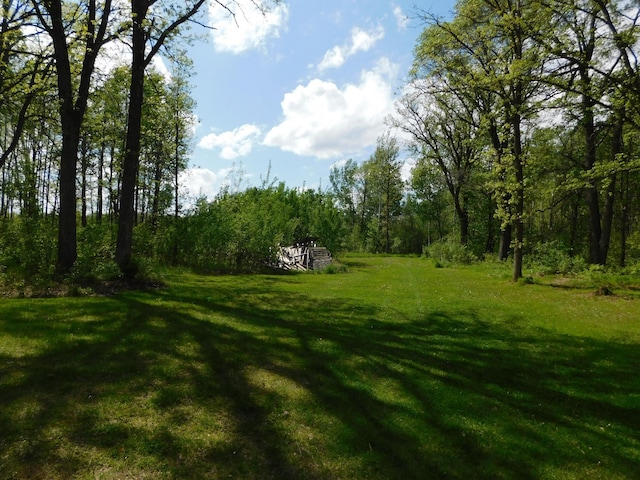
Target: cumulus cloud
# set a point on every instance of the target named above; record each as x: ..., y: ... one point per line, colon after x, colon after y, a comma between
x: 199, y: 182
x: 361, y: 41
x: 246, y: 24
x: 235, y: 143
x: 401, y: 18
x: 324, y: 120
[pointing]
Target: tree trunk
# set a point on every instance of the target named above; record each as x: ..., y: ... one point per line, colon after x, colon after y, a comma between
x: 607, y: 216
x: 592, y: 196
x: 71, y: 121
x: 155, y: 209
x: 67, y: 222
x: 463, y: 218
x: 132, y: 147
x: 84, y: 164
x: 99, y: 199
x: 505, y: 242
x: 519, y: 192
x: 72, y: 110
x: 624, y: 217
x: 490, y: 243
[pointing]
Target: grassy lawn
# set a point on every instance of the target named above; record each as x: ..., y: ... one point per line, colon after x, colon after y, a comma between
x: 394, y: 370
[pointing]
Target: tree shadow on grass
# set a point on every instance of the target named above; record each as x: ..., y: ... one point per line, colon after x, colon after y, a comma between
x: 210, y: 381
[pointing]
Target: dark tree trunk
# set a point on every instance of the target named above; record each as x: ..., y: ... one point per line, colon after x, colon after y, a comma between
x: 624, y: 218
x: 99, y: 195
x: 607, y: 216
x: 519, y: 192
x: 592, y: 195
x: 132, y: 146
x: 67, y: 223
x: 505, y: 242
x: 490, y: 243
x: 72, y: 109
x: 463, y: 218
x: 71, y: 120
x: 84, y: 163
x: 155, y: 208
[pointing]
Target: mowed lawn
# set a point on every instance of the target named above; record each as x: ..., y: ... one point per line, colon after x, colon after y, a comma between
x: 393, y: 370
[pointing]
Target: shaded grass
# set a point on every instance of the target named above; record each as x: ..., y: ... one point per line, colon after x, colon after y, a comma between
x: 393, y: 370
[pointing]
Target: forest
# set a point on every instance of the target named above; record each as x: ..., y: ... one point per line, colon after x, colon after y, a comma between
x: 522, y: 117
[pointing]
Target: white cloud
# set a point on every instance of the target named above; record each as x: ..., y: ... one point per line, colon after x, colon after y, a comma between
x: 198, y: 182
x: 326, y: 121
x: 334, y: 58
x: 361, y: 41
x: 252, y: 25
x: 401, y: 18
x: 235, y: 143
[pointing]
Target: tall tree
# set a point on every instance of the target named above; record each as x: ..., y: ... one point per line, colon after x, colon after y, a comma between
x: 443, y: 131
x: 488, y: 50
x: 592, y: 46
x: 344, y: 181
x: 151, y: 29
x: 78, y: 31
x: 384, y: 171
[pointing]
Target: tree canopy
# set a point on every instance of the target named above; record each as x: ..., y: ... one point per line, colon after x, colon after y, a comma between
x: 515, y: 137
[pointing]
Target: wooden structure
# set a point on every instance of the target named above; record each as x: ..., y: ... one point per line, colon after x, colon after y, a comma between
x: 304, y: 255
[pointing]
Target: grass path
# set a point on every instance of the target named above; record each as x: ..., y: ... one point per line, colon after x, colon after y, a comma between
x: 393, y: 370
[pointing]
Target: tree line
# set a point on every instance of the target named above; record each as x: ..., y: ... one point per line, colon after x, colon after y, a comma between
x: 533, y: 105
x: 49, y: 52
x: 521, y: 117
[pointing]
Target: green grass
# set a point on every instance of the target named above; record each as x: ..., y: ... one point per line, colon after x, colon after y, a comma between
x: 395, y: 369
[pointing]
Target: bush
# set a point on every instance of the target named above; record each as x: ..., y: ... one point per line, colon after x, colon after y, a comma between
x: 96, y: 244
x: 335, y: 268
x: 26, y: 247
x: 449, y: 252
x: 549, y: 258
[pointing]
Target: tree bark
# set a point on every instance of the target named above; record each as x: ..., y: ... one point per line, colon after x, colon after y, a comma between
x: 73, y: 106
x: 140, y: 59
x: 132, y: 145
x: 505, y: 242
x: 609, y: 204
x: 71, y: 121
x: 519, y: 192
x: 592, y: 195
x: 463, y: 218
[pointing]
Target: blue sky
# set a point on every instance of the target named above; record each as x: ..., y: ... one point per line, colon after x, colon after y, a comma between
x: 303, y: 88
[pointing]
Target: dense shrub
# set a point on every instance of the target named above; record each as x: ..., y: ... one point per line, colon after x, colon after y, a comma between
x: 242, y: 231
x: 27, y: 246
x: 551, y: 258
x: 449, y: 252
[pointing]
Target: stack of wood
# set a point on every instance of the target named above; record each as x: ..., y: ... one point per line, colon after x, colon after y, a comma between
x: 319, y: 257
x: 304, y: 255
x: 293, y: 258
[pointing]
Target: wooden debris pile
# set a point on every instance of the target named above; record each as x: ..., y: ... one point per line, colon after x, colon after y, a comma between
x: 303, y: 255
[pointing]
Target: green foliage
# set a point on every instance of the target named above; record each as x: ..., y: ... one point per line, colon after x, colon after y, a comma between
x: 242, y: 231
x: 448, y: 252
x: 335, y: 268
x: 26, y: 247
x: 95, y: 253
x: 551, y: 258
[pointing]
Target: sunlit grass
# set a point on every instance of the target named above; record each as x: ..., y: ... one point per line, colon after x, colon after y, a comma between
x: 394, y: 369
